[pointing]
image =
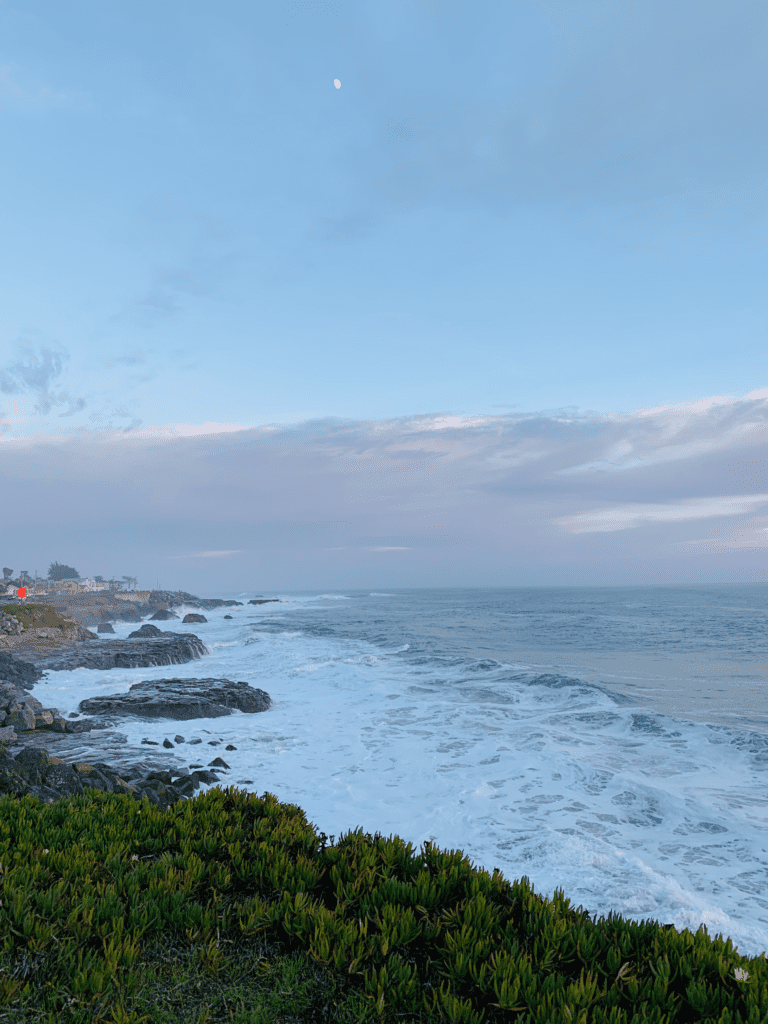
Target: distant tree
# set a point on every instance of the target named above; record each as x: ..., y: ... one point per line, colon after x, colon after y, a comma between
x: 57, y: 571
x: 98, y: 579
x: 7, y: 573
x: 24, y: 576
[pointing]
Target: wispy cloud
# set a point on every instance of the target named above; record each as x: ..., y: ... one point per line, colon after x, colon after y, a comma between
x: 36, y: 376
x: 204, y: 269
x: 201, y: 429
x: 207, y: 554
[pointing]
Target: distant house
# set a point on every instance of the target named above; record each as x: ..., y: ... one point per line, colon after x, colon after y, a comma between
x: 70, y: 587
x: 92, y: 585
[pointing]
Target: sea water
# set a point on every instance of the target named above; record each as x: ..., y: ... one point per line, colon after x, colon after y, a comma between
x: 610, y: 742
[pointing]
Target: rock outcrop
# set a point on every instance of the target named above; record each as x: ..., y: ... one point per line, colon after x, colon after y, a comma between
x: 175, y: 699
x: 50, y: 779
x: 9, y: 624
x: 21, y: 713
x: 194, y: 617
x: 162, y: 614
x: 19, y: 673
x: 38, y: 772
x: 165, y: 649
x: 146, y: 630
x: 180, y: 699
x: 91, y: 608
x: 264, y: 600
x: 105, y: 627
x: 39, y: 629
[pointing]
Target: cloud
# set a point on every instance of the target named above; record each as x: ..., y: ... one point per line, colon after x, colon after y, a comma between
x: 202, y: 272
x: 208, y: 554
x: 631, y: 102
x: 199, y: 429
x: 36, y: 377
x: 671, y: 490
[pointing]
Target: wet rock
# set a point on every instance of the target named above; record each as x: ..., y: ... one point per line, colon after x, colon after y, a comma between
x: 264, y: 600
x: 193, y: 617
x: 227, y: 616
x: 20, y: 714
x: 145, y: 630
x: 49, y: 778
x: 163, y: 649
x: 19, y: 673
x: 180, y: 699
x: 39, y: 768
x: 105, y: 627
x: 164, y: 613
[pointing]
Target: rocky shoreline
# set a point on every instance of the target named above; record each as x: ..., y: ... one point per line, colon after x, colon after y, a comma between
x: 42, y: 733
x: 90, y: 609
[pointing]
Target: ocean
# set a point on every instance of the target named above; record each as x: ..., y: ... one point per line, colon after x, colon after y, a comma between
x: 609, y: 742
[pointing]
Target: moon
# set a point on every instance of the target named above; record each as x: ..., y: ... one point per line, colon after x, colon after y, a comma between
x: 337, y: 83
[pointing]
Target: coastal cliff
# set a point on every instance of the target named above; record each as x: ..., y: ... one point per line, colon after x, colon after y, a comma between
x: 89, y: 609
x: 40, y: 629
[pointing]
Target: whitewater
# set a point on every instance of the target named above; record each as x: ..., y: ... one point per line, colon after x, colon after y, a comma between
x: 609, y: 742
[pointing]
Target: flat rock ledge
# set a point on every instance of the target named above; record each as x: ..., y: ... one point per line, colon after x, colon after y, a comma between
x: 166, y: 649
x: 180, y: 699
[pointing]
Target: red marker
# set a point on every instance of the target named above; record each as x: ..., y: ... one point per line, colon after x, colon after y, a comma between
x: 22, y: 593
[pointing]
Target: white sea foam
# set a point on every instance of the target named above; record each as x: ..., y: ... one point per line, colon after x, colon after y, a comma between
x: 575, y: 783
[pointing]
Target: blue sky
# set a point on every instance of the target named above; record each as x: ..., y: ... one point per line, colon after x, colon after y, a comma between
x: 492, y: 312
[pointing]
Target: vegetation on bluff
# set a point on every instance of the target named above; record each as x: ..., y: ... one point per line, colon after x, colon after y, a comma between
x: 114, y: 911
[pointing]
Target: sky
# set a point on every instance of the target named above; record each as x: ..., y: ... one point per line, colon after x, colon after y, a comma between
x: 384, y: 293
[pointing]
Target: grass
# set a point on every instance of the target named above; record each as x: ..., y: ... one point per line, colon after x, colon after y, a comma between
x: 190, y: 984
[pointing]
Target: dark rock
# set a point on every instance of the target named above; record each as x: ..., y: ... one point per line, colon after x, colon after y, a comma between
x: 206, y: 603
x: 172, y: 599
x: 165, y: 649
x: 145, y: 630
x: 164, y: 613
x: 10, y: 624
x: 127, y: 613
x: 21, y: 713
x: 264, y: 600
x: 49, y: 779
x: 194, y: 618
x: 105, y: 627
x: 37, y: 771
x: 19, y: 673
x: 180, y: 699
x: 227, y: 616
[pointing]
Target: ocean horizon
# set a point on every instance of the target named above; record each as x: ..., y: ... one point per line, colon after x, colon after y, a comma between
x: 611, y: 742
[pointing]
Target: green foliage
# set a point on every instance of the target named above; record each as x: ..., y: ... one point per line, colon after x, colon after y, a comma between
x: 58, y: 571
x: 92, y: 885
